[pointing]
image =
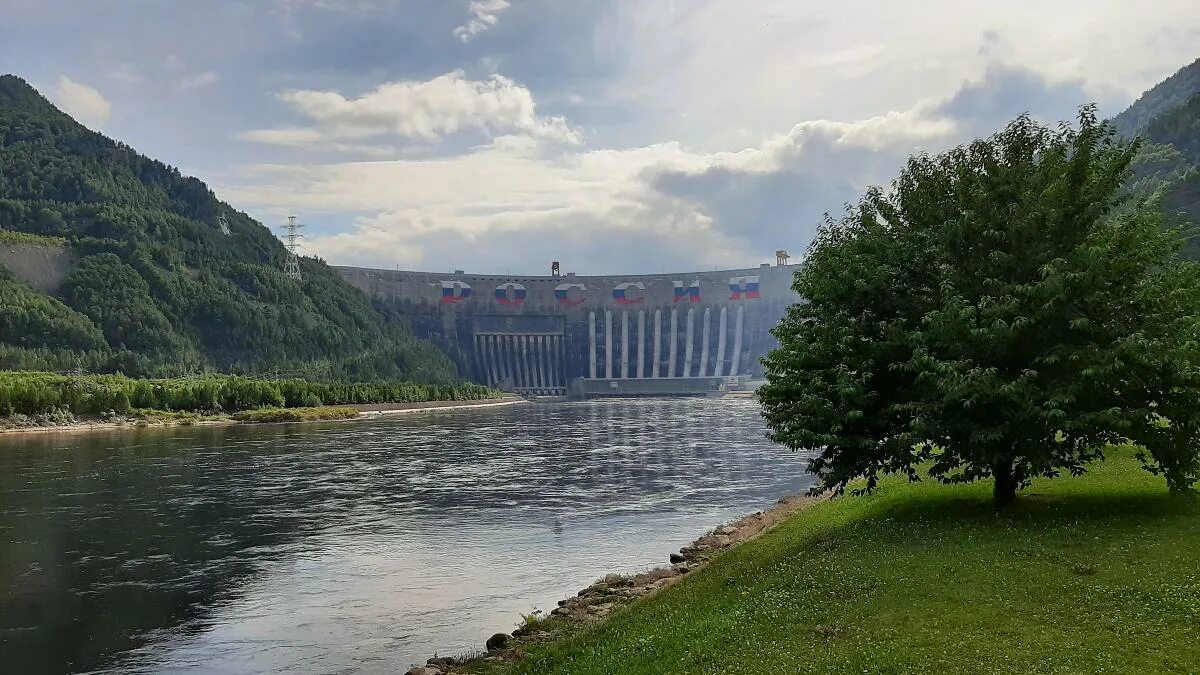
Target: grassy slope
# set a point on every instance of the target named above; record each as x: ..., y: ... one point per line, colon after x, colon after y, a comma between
x: 1092, y: 574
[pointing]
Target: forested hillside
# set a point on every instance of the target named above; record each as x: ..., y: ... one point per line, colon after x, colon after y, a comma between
x: 1167, y: 118
x: 158, y: 287
x: 1161, y: 98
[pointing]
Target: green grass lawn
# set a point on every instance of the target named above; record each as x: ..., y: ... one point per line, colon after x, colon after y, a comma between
x: 1085, y: 575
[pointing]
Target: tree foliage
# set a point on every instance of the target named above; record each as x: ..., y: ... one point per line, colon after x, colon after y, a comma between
x: 1179, y: 128
x: 33, y: 393
x: 999, y: 313
x: 1168, y: 168
x: 33, y: 319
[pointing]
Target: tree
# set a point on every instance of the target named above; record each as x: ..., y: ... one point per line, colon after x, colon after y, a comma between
x: 1002, y: 312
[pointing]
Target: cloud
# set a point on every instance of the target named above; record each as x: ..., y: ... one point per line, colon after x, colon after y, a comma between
x: 198, y: 80
x: 82, y: 102
x: 125, y: 72
x: 818, y: 166
x: 422, y: 110
x: 288, y: 136
x: 484, y: 15
x: 1005, y: 91
x: 660, y: 206
x: 311, y: 139
x: 516, y: 204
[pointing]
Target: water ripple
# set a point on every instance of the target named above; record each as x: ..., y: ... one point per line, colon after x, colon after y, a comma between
x: 352, y: 547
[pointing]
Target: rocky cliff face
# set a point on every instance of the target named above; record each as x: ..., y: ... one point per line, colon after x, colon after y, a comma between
x: 43, y: 267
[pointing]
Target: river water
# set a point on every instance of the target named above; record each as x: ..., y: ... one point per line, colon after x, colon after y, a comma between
x: 352, y: 547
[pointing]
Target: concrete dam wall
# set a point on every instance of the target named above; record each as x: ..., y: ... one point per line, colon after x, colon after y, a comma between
x: 620, y: 335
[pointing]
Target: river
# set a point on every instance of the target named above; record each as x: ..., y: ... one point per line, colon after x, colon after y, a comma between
x: 352, y: 547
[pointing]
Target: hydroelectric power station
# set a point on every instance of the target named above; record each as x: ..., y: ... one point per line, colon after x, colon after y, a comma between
x: 689, y: 333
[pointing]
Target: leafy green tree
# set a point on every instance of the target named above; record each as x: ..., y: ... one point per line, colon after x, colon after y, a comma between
x: 999, y: 313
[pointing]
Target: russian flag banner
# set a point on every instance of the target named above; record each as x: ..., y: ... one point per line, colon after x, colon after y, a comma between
x: 455, y: 291
x: 562, y: 294
x: 511, y: 293
x: 692, y: 292
x: 743, y: 288
x: 621, y: 293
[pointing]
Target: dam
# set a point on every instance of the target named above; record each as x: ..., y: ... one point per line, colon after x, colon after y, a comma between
x: 688, y: 333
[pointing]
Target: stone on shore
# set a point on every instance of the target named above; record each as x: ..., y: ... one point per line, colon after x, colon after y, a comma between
x: 601, y: 610
x: 497, y: 642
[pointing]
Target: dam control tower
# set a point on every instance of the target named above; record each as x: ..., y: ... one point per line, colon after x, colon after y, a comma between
x: 687, y: 333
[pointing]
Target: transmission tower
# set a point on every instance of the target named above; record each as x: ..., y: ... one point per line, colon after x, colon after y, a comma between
x: 291, y: 239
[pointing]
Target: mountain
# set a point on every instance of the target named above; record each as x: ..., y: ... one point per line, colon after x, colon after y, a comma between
x: 1167, y: 118
x: 1161, y: 98
x: 157, y: 275
x: 1178, y: 127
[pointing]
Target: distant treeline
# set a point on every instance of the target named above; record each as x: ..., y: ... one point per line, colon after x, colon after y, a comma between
x: 37, y: 393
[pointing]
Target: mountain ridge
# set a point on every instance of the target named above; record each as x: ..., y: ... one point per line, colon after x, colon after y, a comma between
x: 1161, y: 98
x: 157, y: 274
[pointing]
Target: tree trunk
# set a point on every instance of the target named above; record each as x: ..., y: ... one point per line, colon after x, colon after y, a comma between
x: 1004, y: 493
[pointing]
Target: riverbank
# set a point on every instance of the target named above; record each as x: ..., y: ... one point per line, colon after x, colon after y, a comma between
x: 1084, y: 574
x: 616, y: 591
x: 163, y: 419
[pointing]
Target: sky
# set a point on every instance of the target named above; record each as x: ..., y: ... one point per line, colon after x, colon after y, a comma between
x: 615, y: 136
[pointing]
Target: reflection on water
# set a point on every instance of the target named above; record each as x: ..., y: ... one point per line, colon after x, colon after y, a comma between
x: 352, y: 547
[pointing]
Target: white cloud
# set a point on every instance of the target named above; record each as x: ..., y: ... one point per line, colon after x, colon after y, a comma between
x: 198, y: 80
x: 82, y: 102
x: 311, y: 139
x: 612, y: 209
x: 287, y: 136
x: 780, y: 61
x: 515, y: 202
x: 125, y: 72
x: 484, y: 15
x: 694, y: 156
x: 423, y: 110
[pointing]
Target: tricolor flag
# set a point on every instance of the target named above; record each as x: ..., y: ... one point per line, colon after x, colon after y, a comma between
x: 561, y: 294
x: 455, y: 291
x: 518, y: 294
x: 620, y: 293
x: 692, y: 292
x: 743, y: 287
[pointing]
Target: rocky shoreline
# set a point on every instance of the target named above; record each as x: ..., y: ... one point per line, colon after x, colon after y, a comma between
x: 602, y: 598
